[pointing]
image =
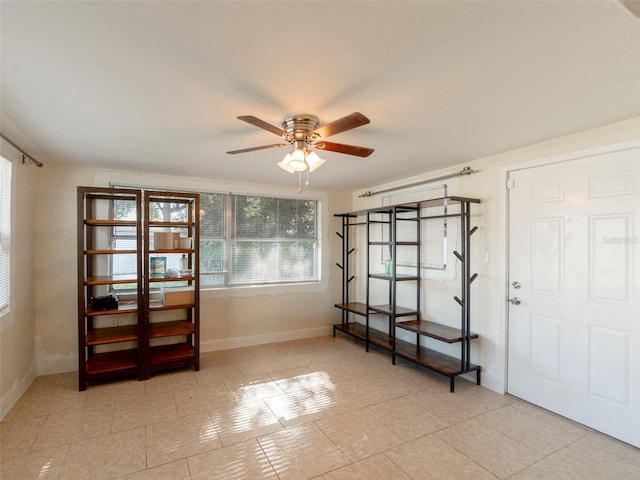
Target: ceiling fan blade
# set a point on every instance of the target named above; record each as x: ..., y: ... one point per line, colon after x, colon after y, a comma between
x: 356, y: 119
x: 253, y: 149
x: 256, y: 122
x: 342, y: 148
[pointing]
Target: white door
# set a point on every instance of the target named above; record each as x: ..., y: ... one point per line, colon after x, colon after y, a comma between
x: 574, y: 269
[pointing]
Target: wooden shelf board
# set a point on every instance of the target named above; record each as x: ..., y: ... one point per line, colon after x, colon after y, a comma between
x: 122, y: 309
x: 171, y: 224
x: 358, y: 330
x: 353, y: 307
x: 153, y: 306
x: 110, y: 252
x: 112, y: 362
x: 171, y: 329
x: 388, y: 310
x: 171, y: 250
x: 436, y: 361
x: 435, y: 330
x: 99, y: 222
x: 110, y: 279
x: 170, y: 279
x: 101, y: 336
x: 431, y: 359
x: 178, y: 352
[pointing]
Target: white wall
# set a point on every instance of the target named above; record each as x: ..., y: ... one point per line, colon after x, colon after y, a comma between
x: 17, y: 327
x: 229, y: 317
x: 488, y: 291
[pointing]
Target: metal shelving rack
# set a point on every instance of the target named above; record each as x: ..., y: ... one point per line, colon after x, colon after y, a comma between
x: 400, y: 317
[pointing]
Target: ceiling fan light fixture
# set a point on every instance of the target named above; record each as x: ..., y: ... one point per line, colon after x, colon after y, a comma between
x: 297, y: 160
x: 284, y: 164
x: 313, y: 161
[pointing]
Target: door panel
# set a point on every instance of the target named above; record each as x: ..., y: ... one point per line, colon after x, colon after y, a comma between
x: 574, y: 337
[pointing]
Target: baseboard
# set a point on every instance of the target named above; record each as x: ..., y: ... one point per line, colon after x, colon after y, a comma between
x: 17, y: 390
x: 250, y: 341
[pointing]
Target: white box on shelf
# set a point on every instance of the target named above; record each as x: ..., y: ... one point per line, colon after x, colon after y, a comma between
x: 165, y: 240
x: 178, y: 296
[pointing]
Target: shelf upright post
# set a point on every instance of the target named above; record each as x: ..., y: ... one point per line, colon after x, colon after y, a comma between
x: 393, y: 285
x: 368, y: 240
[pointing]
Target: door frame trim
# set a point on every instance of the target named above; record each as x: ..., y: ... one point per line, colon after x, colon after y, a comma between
x: 503, y: 242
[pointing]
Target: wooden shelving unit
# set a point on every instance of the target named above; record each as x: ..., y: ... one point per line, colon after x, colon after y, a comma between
x: 408, y: 318
x: 172, y: 330
x: 107, y: 346
x: 143, y: 334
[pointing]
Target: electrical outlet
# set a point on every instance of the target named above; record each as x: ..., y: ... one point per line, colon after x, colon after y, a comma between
x: 114, y: 321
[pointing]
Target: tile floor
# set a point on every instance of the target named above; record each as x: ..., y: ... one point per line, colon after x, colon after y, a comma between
x: 312, y: 409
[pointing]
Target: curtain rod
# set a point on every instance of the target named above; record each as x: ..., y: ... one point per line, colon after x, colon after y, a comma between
x: 464, y: 171
x: 26, y: 158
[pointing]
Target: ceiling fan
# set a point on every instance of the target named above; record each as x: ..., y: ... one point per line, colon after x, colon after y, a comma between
x: 303, y: 132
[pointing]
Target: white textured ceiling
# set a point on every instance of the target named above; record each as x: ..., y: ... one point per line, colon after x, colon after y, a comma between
x: 157, y: 86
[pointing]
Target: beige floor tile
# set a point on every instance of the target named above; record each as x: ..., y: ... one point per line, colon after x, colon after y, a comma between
x: 73, y: 426
x: 301, y: 452
x: 217, y: 374
x: 592, y: 457
x: 241, y: 461
x: 41, y: 465
x: 16, y: 438
x: 180, y: 438
x: 260, y: 366
x: 450, y: 407
x: 202, y: 399
x: 546, y: 416
x: 49, y: 401
x: 173, y: 381
x: 171, y: 471
x: 540, y: 436
x: 305, y: 379
x: 405, y: 418
x: 109, y: 393
x: 389, y: 386
x: 300, y: 407
x: 253, y: 388
x: 130, y: 413
x: 430, y: 458
x: 106, y: 457
x: 378, y: 467
x: 493, y: 450
x: 358, y: 434
x: 348, y: 396
x: 244, y: 421
x: 488, y: 399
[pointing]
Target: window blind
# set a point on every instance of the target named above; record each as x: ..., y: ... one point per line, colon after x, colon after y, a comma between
x: 5, y: 232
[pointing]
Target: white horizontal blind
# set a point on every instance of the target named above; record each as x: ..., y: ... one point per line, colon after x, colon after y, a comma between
x: 5, y: 232
x: 212, y: 239
x: 274, y: 240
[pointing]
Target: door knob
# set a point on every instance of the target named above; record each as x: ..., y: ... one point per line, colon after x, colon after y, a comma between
x: 514, y: 301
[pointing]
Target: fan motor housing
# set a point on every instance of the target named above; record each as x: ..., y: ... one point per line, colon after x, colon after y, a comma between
x: 300, y: 125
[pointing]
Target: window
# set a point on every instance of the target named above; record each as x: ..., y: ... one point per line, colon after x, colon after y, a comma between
x: 246, y: 240
x: 273, y: 240
x: 5, y: 232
